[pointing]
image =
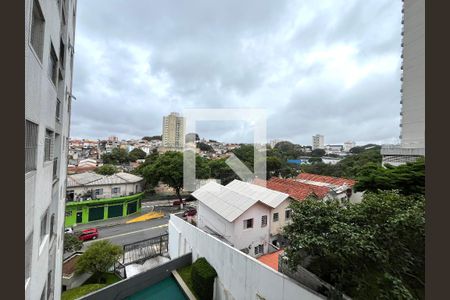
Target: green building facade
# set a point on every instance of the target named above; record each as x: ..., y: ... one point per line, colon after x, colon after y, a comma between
x: 94, y: 210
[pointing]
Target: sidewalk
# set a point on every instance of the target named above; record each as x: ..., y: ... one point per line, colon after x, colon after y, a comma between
x: 108, y: 223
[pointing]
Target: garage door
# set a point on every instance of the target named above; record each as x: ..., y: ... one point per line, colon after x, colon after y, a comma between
x: 132, y: 207
x: 96, y: 213
x: 115, y: 211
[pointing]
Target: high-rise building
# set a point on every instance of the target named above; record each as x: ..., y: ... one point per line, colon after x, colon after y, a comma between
x: 412, y: 124
x: 318, y: 142
x: 349, y: 145
x: 49, y: 51
x: 173, y: 135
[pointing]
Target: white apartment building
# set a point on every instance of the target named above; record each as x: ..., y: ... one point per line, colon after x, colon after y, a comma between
x: 412, y: 124
x: 49, y: 50
x: 349, y: 145
x: 173, y: 132
x: 247, y: 216
x: 318, y: 142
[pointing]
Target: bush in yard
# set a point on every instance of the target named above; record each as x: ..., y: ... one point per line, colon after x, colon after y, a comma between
x: 98, y: 258
x: 203, y: 275
x: 71, y: 243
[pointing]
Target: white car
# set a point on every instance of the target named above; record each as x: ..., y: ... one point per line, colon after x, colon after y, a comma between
x: 68, y: 230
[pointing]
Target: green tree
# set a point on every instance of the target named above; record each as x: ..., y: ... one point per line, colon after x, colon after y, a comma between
x: 150, y: 138
x: 371, y: 250
x: 408, y: 178
x: 168, y: 168
x: 205, y: 147
x: 72, y: 243
x: 273, y: 166
x: 117, y: 156
x: 220, y: 170
x: 318, y: 153
x: 106, y: 169
x: 314, y: 160
x: 98, y: 258
x: 136, y: 153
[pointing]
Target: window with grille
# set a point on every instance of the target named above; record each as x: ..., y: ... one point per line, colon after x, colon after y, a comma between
x: 263, y: 221
x: 31, y: 143
x: 44, y: 226
x: 99, y: 192
x: 259, y: 249
x: 58, y: 109
x: 53, y: 65
x: 62, y: 53
x: 116, y: 190
x: 275, y: 217
x: 48, y: 145
x: 52, y: 225
x: 288, y: 214
x: 28, y: 253
x: 37, y: 30
x: 248, y: 223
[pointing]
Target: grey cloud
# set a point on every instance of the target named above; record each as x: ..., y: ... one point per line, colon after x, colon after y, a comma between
x: 136, y: 61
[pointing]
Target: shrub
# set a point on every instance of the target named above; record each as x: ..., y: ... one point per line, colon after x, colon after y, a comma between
x: 203, y: 275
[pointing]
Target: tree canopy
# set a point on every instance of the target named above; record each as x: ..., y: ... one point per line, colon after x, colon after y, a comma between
x: 136, y: 154
x: 98, y: 258
x: 408, y: 178
x: 117, y: 156
x: 106, y: 169
x: 168, y: 168
x: 371, y: 250
x: 150, y: 138
x: 71, y: 243
x: 204, y: 147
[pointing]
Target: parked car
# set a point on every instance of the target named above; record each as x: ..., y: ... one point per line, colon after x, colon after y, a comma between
x: 176, y: 203
x: 190, y: 212
x: 88, y: 234
x: 68, y: 230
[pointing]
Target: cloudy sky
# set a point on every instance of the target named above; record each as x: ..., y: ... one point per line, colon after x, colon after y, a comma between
x: 328, y: 67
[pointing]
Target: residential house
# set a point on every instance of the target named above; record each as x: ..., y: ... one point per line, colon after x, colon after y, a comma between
x: 240, y: 213
x: 340, y: 188
x: 90, y: 185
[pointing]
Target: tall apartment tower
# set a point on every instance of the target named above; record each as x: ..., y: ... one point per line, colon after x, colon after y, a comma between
x: 318, y: 142
x: 49, y: 50
x: 412, y: 124
x: 173, y: 132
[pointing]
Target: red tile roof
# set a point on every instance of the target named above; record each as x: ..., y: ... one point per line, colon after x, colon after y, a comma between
x: 271, y: 259
x: 326, y: 179
x: 297, y: 190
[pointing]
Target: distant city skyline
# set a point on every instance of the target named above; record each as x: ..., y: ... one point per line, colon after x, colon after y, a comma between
x: 327, y: 67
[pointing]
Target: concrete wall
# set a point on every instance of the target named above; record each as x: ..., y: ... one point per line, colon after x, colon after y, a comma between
x: 239, y: 275
x: 42, y: 192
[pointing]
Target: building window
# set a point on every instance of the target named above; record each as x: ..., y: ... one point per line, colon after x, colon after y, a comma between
x: 58, y: 110
x: 263, y: 221
x: 28, y: 256
x: 37, y: 30
x: 31, y: 143
x: 48, y: 145
x: 98, y: 192
x: 248, y: 223
x: 275, y: 217
x: 288, y: 214
x: 116, y: 190
x: 49, y: 284
x: 259, y: 249
x: 53, y: 65
x: 62, y: 53
x: 44, y: 226
x: 55, y: 168
x: 52, y: 225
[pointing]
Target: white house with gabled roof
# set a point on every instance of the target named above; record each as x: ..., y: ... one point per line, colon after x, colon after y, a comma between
x: 239, y: 213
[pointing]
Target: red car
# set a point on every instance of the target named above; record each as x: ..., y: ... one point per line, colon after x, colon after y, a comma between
x: 190, y: 212
x: 88, y: 234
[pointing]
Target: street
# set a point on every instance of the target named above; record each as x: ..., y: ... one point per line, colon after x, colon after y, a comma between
x: 129, y: 233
